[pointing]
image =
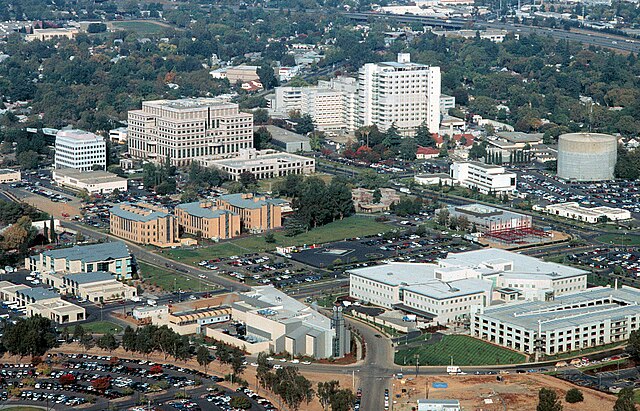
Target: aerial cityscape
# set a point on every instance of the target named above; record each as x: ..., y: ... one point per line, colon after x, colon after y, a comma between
x: 289, y: 205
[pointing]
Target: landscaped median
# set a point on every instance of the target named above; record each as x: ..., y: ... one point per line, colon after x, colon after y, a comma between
x: 462, y: 350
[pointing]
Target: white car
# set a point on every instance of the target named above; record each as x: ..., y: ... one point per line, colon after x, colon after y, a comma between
x: 269, y: 358
x: 283, y: 360
x: 306, y: 362
x: 253, y: 364
x: 295, y: 361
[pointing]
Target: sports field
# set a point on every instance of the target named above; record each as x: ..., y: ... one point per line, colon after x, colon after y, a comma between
x: 354, y: 226
x: 619, y: 239
x: 140, y: 27
x: 465, y: 350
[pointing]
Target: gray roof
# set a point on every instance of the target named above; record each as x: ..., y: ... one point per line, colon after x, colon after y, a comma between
x: 439, y: 402
x: 39, y: 293
x: 520, y: 137
x: 205, y: 212
x: 237, y: 200
x: 283, y: 135
x: 616, y: 304
x: 91, y: 253
x: 88, y: 278
x: 143, y: 218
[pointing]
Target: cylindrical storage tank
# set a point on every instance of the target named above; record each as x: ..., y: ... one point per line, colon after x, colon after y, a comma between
x: 587, y: 156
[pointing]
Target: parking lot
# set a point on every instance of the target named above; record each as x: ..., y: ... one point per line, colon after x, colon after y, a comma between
x: 545, y: 187
x: 608, y: 258
x: 100, y: 382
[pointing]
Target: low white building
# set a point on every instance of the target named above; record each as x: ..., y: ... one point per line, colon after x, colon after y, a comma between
x: 51, y: 33
x: 575, y: 321
x: 433, y: 179
x: 438, y: 405
x: 486, y: 178
x: 94, y: 182
x: 262, y: 164
x: 8, y: 175
x: 118, y: 135
x: 448, y: 290
x: 591, y: 215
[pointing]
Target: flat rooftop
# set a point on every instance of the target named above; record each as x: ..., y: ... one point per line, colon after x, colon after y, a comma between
x: 196, y: 209
x: 271, y: 158
x: 39, y: 293
x: 143, y: 215
x: 89, y: 177
x: 558, y: 314
x: 485, y: 212
x: 92, y: 252
x: 88, y: 278
x: 242, y: 201
x: 520, y: 137
x: 283, y: 135
x: 188, y: 103
x: 276, y: 305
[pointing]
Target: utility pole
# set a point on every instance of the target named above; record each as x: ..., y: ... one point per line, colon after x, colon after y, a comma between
x: 417, y: 364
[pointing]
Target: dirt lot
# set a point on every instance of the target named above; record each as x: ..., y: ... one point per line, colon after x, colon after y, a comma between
x: 56, y: 209
x: 519, y: 392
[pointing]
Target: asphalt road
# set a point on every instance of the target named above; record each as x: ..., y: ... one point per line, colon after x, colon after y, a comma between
x: 588, y: 39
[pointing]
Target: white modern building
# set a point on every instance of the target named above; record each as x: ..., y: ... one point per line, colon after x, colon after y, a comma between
x: 447, y: 103
x: 262, y: 164
x: 94, y: 182
x: 438, y: 405
x: 118, y: 135
x: 80, y: 150
x: 188, y: 129
x: 575, y: 321
x: 448, y: 290
x: 399, y: 93
x: 486, y: 178
x: 331, y: 104
x: 591, y: 215
x: 279, y: 323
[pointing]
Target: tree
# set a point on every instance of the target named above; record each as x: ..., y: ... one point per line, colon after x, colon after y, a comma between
x: 67, y: 379
x: 260, y: 116
x: 574, y: 395
x: 17, y: 236
x: 203, y: 356
x: 326, y: 391
x: 107, y: 342
x: 101, y: 383
x: 129, y: 339
x: 392, y: 138
x: 261, y: 137
x: 32, y: 336
x: 248, y: 180
x: 78, y: 332
x: 267, y: 76
x: 548, y: 400
x: 263, y: 370
x: 269, y: 238
x: 27, y: 160
x: 242, y: 403
x: 305, y: 124
x: 423, y: 137
x: 625, y: 401
x: 376, y: 196
x: 442, y: 217
x: 408, y: 148
x: 343, y: 400
x: 87, y: 342
x: 52, y: 233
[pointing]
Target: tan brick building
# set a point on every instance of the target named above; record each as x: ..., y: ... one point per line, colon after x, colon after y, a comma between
x: 144, y: 224
x: 203, y: 219
x: 257, y: 213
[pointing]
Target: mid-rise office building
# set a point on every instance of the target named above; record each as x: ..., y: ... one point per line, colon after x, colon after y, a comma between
x: 188, y: 129
x: 144, y: 224
x: 80, y: 150
x: 399, y: 93
x: 113, y: 257
x: 257, y: 213
x: 448, y: 290
x: 486, y: 178
x: 576, y: 321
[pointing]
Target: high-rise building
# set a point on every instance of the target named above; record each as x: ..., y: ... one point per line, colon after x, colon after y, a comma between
x: 183, y: 130
x: 80, y: 150
x: 399, y: 93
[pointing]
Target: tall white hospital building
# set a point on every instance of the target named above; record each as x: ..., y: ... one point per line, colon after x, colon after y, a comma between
x: 79, y: 150
x: 402, y: 93
x: 186, y: 129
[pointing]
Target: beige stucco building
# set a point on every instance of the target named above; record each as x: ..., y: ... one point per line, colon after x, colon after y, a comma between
x: 262, y: 164
x: 8, y: 175
x: 96, y: 287
x: 41, y: 301
x: 205, y: 220
x: 144, y: 223
x: 188, y: 129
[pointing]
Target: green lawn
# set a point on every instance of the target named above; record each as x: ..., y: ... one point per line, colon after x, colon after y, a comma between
x: 619, y: 239
x: 580, y: 353
x: 101, y: 327
x: 354, y: 226
x: 168, y: 280
x: 464, y: 349
x: 140, y: 27
x: 22, y: 408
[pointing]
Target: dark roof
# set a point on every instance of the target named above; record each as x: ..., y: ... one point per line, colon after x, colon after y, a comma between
x: 88, y: 278
x: 91, y: 253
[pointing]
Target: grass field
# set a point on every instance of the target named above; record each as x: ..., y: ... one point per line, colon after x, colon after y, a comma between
x: 102, y: 327
x: 464, y: 350
x: 22, y: 408
x: 140, y: 27
x: 619, y: 239
x: 168, y: 280
x: 354, y: 226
